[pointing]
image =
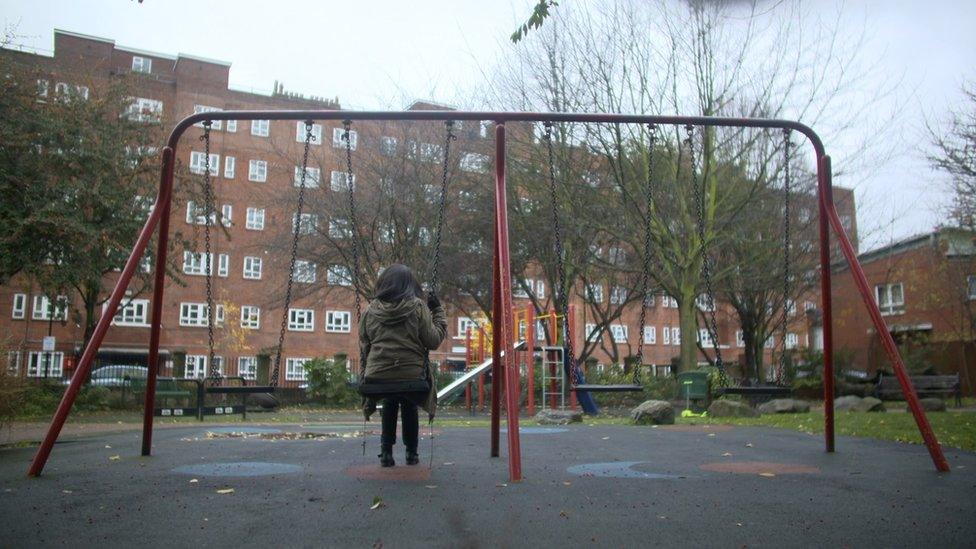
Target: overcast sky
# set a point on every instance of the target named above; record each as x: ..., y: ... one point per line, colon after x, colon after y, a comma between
x: 384, y: 53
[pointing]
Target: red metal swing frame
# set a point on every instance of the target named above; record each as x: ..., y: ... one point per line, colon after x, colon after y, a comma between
x: 502, y: 283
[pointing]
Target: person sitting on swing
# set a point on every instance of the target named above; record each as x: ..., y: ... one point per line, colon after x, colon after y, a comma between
x: 395, y: 335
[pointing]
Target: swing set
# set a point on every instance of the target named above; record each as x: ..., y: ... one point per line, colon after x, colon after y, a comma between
x: 503, y: 365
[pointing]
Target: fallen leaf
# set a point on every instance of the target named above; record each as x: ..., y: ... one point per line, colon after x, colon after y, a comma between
x: 194, y: 481
x: 66, y: 492
x: 606, y: 438
x: 738, y: 524
x: 748, y: 445
x: 114, y: 458
x: 767, y: 475
x: 225, y: 491
x: 431, y: 486
x: 563, y: 514
x: 567, y: 483
x: 711, y: 434
x: 377, y: 503
x: 501, y: 485
x: 727, y: 454
x: 107, y: 446
x: 448, y: 463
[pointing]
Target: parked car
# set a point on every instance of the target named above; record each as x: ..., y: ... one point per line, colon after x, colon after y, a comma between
x: 117, y: 375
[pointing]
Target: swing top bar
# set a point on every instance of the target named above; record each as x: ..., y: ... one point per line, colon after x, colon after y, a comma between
x: 499, y: 117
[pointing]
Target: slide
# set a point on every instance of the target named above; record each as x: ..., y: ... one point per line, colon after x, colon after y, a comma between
x: 459, y: 383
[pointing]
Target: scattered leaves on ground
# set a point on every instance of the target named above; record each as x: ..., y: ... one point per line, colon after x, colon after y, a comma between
x: 194, y: 481
x: 767, y: 475
x: 377, y: 503
x: 114, y: 458
x: 225, y: 491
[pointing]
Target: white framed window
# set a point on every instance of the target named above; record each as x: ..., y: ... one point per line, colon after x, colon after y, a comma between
x: 650, y: 335
x: 250, y: 317
x: 261, y: 128
x: 247, y: 367
x: 197, y: 109
x: 484, y: 127
x: 522, y: 290
x: 339, y: 275
x: 308, y: 225
x: 338, y: 141
x: 295, y: 369
x: 619, y: 333
x: 338, y: 321
x: 705, y: 338
x: 617, y: 255
x: 770, y: 342
x: 13, y: 362
x: 792, y: 340
x: 223, y: 265
x: 195, y: 314
x: 198, y: 163
x: 675, y: 335
x: 339, y: 181
x: 301, y: 320
x: 464, y: 324
x: 305, y: 271
x: 809, y: 306
x: 44, y: 309
x: 66, y: 92
x: 666, y: 332
x: 232, y: 126
x: 313, y: 176
x: 339, y: 228
x: 196, y: 366
x: 474, y: 162
x: 540, y: 289
x: 252, y: 267
x: 42, y: 89
x: 226, y: 214
x: 386, y: 232
x: 45, y: 364
x: 196, y: 263
x: 316, y: 133
x: 971, y: 285
x: 135, y: 312
x: 618, y: 295
x: 592, y: 333
x: 540, y: 330
x: 19, y: 307
x: 143, y: 109
x: 230, y: 163
x: 891, y: 298
x: 426, y: 152
x: 791, y: 307
x: 740, y: 339
x: 196, y: 214
x: 257, y: 171
x: 594, y: 293
x: 255, y: 219
x: 705, y: 303
x: 669, y: 302
x: 649, y: 300
x: 388, y: 145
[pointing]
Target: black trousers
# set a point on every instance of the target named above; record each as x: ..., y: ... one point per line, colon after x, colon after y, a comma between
x: 411, y: 422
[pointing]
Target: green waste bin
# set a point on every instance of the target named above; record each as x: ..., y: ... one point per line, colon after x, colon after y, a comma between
x: 693, y: 386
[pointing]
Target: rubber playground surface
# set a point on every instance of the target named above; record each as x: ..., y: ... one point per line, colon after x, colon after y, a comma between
x: 310, y: 486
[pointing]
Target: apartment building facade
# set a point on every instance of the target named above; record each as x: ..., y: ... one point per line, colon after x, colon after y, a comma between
x: 253, y: 165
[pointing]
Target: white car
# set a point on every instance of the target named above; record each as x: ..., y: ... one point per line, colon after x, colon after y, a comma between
x: 117, y: 375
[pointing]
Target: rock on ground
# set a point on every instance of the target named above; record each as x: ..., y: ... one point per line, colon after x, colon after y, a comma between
x: 731, y: 408
x: 784, y: 406
x: 931, y: 404
x: 558, y: 417
x: 853, y: 403
x: 653, y: 412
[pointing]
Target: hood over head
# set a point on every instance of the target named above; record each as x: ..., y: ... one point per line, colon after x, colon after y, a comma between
x: 394, y: 313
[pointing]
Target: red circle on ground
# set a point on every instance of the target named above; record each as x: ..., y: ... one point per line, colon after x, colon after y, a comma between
x: 759, y: 468
x: 407, y: 473
x: 697, y: 428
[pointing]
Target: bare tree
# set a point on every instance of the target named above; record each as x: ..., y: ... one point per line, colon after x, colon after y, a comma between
x: 955, y: 154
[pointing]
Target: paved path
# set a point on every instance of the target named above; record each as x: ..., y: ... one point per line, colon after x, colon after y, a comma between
x: 596, y: 486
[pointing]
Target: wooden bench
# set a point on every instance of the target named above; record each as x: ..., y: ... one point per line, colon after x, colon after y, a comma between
x: 888, y: 387
x: 166, y: 387
x: 757, y: 394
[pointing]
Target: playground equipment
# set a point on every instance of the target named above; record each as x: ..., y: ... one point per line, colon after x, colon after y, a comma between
x: 502, y: 341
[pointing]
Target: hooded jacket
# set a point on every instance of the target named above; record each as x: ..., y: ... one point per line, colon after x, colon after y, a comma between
x: 394, y: 339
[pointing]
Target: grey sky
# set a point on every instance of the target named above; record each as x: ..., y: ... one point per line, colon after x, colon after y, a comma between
x: 382, y: 53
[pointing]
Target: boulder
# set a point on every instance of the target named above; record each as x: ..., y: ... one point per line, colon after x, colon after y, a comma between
x: 731, y: 408
x: 871, y: 404
x: 653, y: 412
x: 847, y: 403
x: 931, y: 404
x: 558, y: 417
x: 784, y: 406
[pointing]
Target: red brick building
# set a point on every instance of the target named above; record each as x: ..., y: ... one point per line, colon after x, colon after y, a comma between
x: 252, y: 167
x: 925, y: 287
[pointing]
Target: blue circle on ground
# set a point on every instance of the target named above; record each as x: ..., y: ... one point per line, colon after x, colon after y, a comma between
x: 538, y: 430
x: 238, y: 469
x: 244, y: 430
x: 615, y: 469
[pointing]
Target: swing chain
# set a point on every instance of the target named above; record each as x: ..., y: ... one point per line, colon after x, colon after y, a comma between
x: 645, y: 264
x: 294, y: 254
x: 350, y: 185
x: 560, y: 294
x: 787, y: 242
x: 209, y: 214
x: 449, y: 125
x: 711, y: 322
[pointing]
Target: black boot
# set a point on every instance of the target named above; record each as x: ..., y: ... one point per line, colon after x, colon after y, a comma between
x: 386, y: 456
x: 412, y: 457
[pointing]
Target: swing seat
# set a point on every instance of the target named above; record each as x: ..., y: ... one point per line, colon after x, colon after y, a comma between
x: 624, y: 388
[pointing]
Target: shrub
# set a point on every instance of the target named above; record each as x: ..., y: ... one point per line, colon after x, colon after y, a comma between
x: 328, y: 383
x: 12, y: 391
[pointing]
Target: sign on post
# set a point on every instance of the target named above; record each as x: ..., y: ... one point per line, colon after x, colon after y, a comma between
x: 48, y: 344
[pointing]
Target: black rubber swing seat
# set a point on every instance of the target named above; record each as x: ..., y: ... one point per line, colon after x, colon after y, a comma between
x: 238, y: 390
x: 592, y: 388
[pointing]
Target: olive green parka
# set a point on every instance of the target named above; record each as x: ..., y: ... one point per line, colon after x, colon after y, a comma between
x: 394, y: 339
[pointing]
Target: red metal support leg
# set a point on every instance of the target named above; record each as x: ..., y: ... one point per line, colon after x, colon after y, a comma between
x: 504, y: 287
x: 891, y: 349
x: 530, y: 357
x: 496, y: 348
x: 88, y: 356
x: 156, y: 323
x: 823, y: 184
